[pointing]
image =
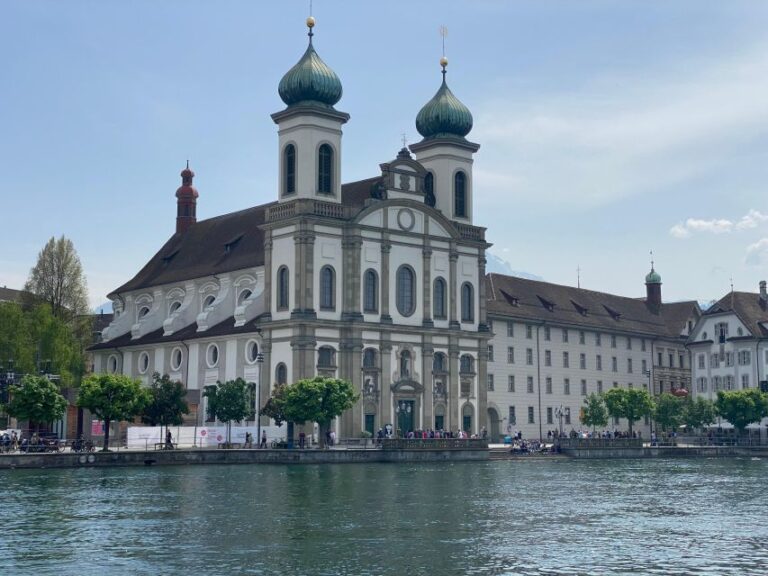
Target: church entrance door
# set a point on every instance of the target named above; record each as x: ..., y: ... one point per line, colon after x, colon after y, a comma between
x: 405, y: 416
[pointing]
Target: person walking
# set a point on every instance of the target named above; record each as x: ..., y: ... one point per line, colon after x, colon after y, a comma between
x: 263, y: 439
x: 168, y: 440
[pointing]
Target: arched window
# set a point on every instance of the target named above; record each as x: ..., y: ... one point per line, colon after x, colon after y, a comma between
x: 467, y: 303
x: 325, y: 170
x: 282, y: 288
x: 289, y: 164
x: 244, y: 295
x: 429, y: 189
x: 460, y: 195
x: 143, y: 362
x: 176, y: 357
x: 212, y: 356
x: 369, y: 358
x: 251, y: 351
x: 405, y: 364
x: 174, y: 306
x: 438, y: 362
x: 466, y: 364
x: 281, y: 374
x: 327, y: 288
x: 112, y: 364
x: 406, y: 290
x: 438, y: 299
x: 326, y: 357
x: 370, y: 291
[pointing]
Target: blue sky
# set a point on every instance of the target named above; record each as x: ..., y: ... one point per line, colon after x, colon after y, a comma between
x: 607, y: 129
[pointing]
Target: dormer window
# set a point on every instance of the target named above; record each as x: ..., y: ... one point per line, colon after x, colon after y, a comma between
x: 231, y: 244
x: 209, y: 300
x: 244, y: 295
x: 143, y: 311
x: 579, y: 308
x: 174, y: 307
x: 548, y: 304
x: 613, y: 313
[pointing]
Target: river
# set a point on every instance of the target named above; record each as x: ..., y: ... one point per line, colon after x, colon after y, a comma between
x: 558, y: 517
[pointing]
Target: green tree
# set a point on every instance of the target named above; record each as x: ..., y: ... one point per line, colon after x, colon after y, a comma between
x: 56, y: 347
x: 17, y: 349
x: 317, y: 399
x: 112, y: 397
x: 37, y: 400
x: 742, y: 407
x: 274, y: 408
x: 167, y: 404
x: 698, y: 413
x: 594, y: 412
x: 668, y: 412
x: 629, y: 403
x: 230, y: 401
x: 57, y: 279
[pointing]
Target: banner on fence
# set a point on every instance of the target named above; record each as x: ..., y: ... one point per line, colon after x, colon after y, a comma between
x: 201, y: 436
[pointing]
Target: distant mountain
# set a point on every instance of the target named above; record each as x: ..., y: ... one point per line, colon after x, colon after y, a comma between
x: 498, y: 266
x: 105, y: 308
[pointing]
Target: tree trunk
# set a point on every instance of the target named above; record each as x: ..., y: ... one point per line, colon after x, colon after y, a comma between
x: 321, y: 430
x: 106, y: 434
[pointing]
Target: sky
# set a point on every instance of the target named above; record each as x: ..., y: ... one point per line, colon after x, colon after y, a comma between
x: 607, y: 129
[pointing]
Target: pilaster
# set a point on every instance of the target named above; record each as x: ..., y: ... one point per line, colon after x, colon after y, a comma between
x: 385, y: 349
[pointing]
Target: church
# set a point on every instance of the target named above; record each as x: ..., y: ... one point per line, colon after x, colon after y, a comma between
x: 381, y: 282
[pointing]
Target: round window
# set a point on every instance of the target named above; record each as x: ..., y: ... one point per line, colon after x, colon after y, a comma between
x: 143, y: 362
x: 212, y: 355
x: 112, y: 364
x: 251, y: 351
x: 176, y: 357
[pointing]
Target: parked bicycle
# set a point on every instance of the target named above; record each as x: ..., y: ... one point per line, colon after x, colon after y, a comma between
x: 81, y: 445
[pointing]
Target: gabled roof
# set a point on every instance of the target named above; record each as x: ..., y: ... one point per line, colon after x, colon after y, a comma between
x: 556, y: 304
x: 222, y: 244
x: 747, y: 306
x: 10, y: 295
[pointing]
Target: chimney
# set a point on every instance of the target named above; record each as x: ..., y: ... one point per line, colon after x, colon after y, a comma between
x: 763, y: 293
x: 186, y: 203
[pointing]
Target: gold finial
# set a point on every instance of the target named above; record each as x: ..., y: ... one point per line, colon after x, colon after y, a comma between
x: 311, y: 22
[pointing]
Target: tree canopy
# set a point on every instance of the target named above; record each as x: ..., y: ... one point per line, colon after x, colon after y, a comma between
x: 37, y: 400
x: 629, y: 403
x: 317, y: 399
x: 112, y: 397
x: 167, y: 404
x: 697, y: 413
x: 230, y: 401
x: 742, y: 407
x: 594, y: 412
x: 668, y: 411
x: 58, y: 279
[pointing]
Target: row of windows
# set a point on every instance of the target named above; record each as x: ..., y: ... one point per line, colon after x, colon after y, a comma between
x: 565, y: 336
x: 744, y: 358
x: 548, y: 389
x: 207, y: 302
x: 567, y: 361
x: 552, y: 413
x: 405, y: 295
x: 324, y: 169
x: 721, y: 383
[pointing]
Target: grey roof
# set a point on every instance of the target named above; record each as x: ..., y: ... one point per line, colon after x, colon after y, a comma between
x: 565, y: 305
x: 747, y: 306
x: 222, y: 244
x: 10, y: 295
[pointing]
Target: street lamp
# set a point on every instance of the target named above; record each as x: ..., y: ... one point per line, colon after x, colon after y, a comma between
x: 652, y: 392
x: 257, y: 400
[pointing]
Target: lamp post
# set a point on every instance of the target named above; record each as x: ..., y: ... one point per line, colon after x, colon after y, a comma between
x: 257, y: 400
x: 652, y: 392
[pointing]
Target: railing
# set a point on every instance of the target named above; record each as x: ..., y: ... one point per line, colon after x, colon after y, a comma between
x: 434, y: 444
x: 328, y: 209
x: 469, y: 232
x: 600, y: 443
x: 281, y: 211
x: 305, y: 206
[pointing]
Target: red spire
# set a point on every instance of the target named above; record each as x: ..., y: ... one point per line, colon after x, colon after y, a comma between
x: 186, y: 203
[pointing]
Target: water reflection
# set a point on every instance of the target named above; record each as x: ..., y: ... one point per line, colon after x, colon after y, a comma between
x: 693, y: 517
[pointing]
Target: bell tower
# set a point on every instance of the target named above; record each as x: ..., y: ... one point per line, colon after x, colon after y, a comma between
x: 186, y: 201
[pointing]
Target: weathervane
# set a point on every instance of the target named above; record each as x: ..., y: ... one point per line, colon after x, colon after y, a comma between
x: 404, y: 139
x: 443, y: 59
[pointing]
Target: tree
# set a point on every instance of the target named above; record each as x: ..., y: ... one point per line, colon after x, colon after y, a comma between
x: 742, y: 407
x: 230, y: 401
x: 58, y: 279
x: 698, y: 413
x: 629, y: 403
x: 668, y: 412
x: 317, y: 399
x: 17, y: 349
x: 275, y: 405
x: 37, y: 400
x: 594, y: 412
x: 112, y: 397
x: 167, y: 404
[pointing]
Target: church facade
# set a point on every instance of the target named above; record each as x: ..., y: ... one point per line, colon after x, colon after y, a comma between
x: 381, y: 282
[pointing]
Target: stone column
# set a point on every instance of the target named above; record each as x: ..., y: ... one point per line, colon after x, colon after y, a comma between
x: 482, y: 386
x: 265, y: 373
x: 304, y: 273
x: 267, y: 276
x: 303, y: 345
x: 454, y: 397
x: 385, y: 349
x: 482, y: 319
x: 351, y: 246
x: 427, y: 355
x: 386, y: 247
x: 453, y: 288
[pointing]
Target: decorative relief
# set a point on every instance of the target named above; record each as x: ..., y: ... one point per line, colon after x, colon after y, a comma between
x: 406, y: 219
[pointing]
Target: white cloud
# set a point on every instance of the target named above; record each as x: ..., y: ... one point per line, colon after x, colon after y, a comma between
x: 622, y: 136
x: 717, y: 225
x: 757, y: 253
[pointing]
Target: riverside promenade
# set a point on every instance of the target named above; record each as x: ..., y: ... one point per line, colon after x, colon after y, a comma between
x: 390, y: 450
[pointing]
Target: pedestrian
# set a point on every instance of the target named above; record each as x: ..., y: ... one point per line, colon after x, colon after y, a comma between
x: 302, y: 439
x: 248, y: 440
x: 168, y: 440
x: 263, y: 439
x: 333, y: 437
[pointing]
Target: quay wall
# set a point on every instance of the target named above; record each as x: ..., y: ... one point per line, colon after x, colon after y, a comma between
x: 237, y: 456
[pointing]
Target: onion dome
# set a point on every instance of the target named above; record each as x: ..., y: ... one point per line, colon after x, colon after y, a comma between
x: 444, y: 115
x: 653, y: 277
x: 186, y: 188
x: 310, y: 81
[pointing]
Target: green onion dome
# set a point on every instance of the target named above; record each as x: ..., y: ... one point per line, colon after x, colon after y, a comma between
x: 653, y: 277
x: 310, y: 81
x: 444, y: 114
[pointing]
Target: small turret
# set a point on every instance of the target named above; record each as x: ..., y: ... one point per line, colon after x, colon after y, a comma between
x: 653, y: 289
x: 186, y: 201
